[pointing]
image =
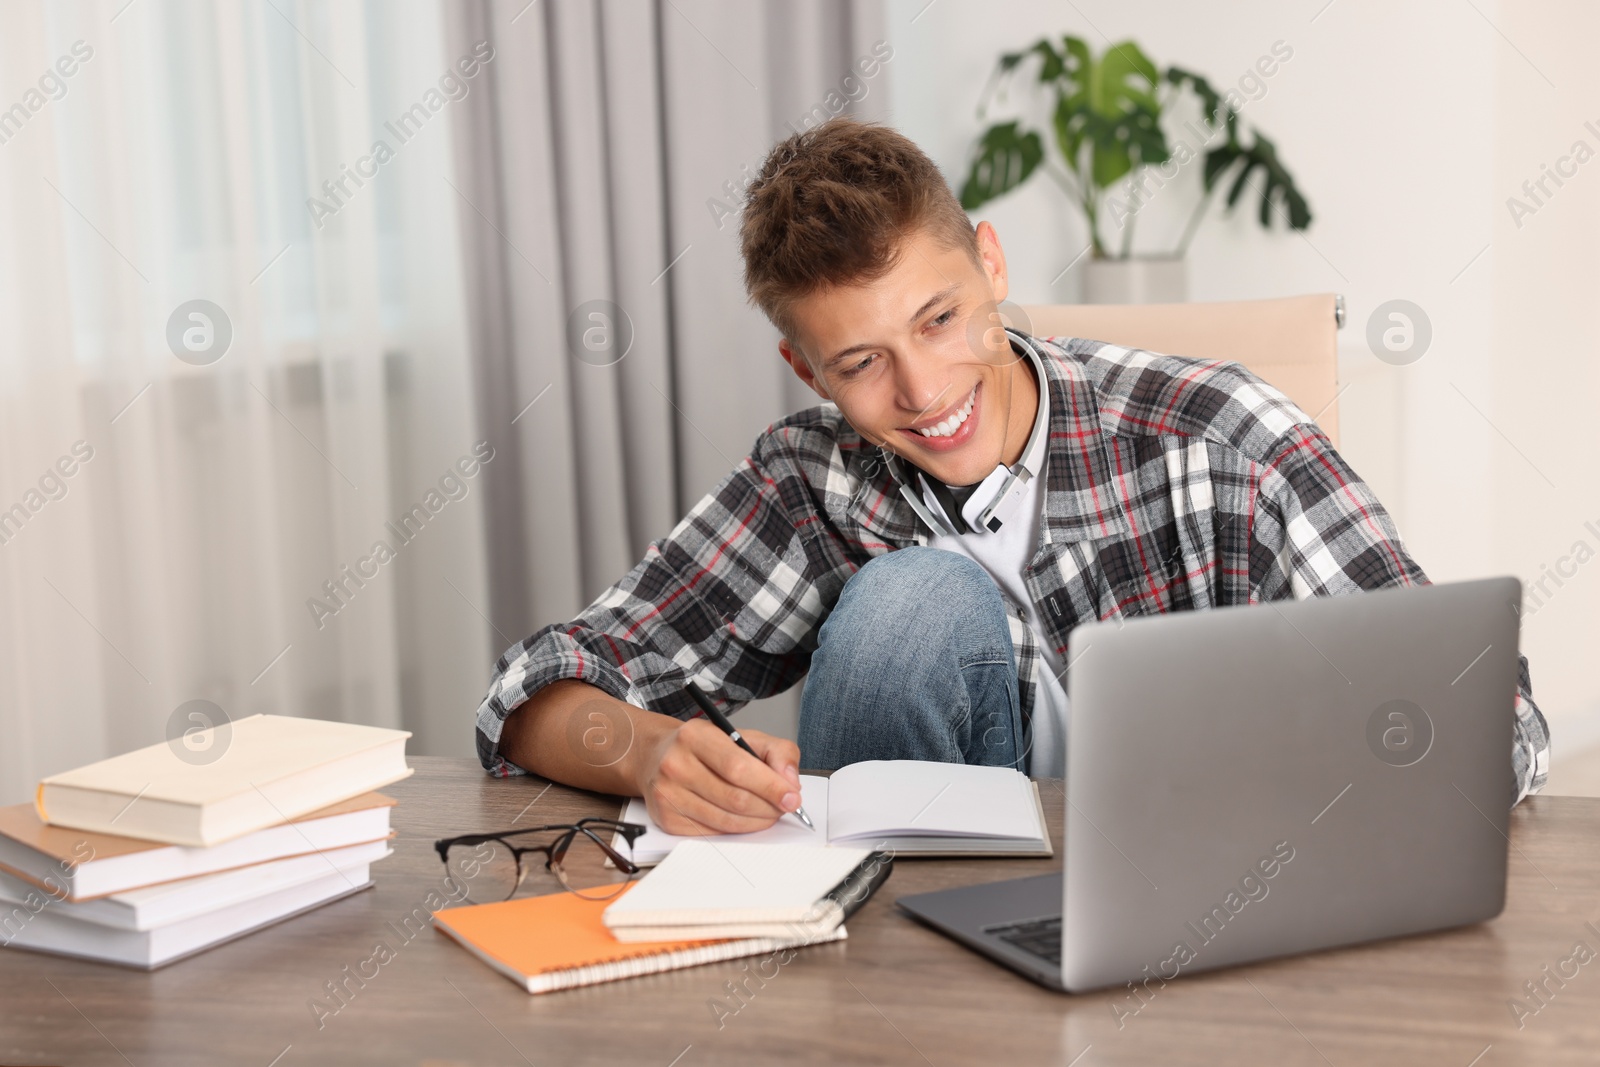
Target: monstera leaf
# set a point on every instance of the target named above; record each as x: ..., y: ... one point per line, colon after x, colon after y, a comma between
x: 1049, y: 68
x: 1262, y: 154
x: 1210, y: 99
x: 1005, y: 158
x: 1123, y: 81
x: 1109, y: 103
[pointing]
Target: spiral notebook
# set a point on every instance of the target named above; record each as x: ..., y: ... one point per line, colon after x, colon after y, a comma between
x: 559, y: 942
x: 744, y: 890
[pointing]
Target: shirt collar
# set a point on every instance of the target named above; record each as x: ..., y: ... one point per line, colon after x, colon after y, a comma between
x: 1033, y: 453
x: 1080, y: 501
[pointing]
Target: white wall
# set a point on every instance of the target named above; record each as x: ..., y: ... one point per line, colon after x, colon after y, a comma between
x: 1407, y: 127
x: 1543, y: 378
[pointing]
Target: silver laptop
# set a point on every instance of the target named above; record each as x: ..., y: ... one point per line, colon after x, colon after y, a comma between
x: 1251, y: 782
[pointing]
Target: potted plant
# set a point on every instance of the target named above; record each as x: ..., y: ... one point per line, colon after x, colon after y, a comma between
x: 1105, y: 122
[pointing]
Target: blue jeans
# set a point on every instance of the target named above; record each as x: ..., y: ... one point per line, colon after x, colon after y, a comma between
x: 915, y: 662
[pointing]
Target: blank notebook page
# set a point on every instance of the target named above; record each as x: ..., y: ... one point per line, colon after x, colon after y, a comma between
x: 735, y: 882
x: 883, y: 797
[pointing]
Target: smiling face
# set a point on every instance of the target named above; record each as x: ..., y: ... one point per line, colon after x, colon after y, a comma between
x: 918, y: 362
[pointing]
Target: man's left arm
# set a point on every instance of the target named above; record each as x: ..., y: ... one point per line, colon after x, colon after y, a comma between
x: 1319, y: 530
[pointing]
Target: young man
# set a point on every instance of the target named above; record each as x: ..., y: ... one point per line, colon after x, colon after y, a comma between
x: 919, y: 547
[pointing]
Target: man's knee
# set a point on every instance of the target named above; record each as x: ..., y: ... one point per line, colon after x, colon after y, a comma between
x: 914, y: 662
x: 917, y: 587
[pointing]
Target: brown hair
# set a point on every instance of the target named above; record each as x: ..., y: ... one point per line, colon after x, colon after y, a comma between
x: 830, y: 207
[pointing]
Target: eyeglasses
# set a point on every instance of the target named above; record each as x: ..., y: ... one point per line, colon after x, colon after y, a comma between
x: 492, y: 869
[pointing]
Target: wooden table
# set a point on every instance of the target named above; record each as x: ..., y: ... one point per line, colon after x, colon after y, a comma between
x: 893, y: 993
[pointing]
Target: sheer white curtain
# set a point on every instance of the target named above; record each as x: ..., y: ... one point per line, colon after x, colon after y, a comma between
x: 168, y: 527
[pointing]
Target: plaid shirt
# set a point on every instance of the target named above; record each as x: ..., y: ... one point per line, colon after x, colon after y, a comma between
x: 1172, y: 484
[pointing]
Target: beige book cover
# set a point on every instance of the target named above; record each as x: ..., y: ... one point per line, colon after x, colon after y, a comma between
x: 273, y: 768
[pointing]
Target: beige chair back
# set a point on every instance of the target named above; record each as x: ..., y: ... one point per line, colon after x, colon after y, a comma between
x: 1291, y: 342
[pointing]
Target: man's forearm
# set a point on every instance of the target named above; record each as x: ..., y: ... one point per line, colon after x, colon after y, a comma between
x: 577, y: 734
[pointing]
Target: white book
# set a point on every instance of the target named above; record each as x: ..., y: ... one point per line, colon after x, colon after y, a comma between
x: 273, y: 768
x: 48, y: 931
x: 170, y: 902
x: 84, y: 866
x: 909, y: 807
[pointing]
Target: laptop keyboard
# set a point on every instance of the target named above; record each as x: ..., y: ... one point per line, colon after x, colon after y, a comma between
x: 1039, y: 937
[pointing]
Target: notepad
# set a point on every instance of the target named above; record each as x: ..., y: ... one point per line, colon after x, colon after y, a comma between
x: 559, y: 942
x: 736, y: 889
x: 911, y: 807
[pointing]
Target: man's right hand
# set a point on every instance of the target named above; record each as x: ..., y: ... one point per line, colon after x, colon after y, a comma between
x: 694, y: 779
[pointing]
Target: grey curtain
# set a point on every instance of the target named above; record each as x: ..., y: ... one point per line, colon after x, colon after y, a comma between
x: 599, y: 172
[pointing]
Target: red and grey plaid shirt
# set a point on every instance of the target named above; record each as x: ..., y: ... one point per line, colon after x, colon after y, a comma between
x: 1172, y: 484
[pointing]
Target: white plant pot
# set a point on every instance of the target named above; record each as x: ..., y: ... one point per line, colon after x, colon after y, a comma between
x: 1139, y: 280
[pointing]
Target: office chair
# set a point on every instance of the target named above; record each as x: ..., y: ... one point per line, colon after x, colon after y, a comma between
x: 1291, y: 342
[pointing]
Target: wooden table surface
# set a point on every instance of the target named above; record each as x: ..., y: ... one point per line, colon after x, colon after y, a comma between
x: 893, y: 993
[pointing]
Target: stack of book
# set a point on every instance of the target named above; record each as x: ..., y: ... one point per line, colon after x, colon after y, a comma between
x: 148, y: 857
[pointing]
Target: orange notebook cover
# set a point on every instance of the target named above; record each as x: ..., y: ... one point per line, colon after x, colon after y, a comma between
x: 558, y: 942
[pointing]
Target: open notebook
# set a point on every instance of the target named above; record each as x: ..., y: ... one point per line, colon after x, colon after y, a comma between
x: 912, y: 807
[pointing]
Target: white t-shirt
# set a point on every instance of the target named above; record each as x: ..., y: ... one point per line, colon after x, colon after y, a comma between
x: 1004, y: 554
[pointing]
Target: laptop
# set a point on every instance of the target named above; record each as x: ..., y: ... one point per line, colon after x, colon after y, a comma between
x: 1251, y: 782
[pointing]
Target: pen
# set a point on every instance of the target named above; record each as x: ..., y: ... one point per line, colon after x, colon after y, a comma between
x: 722, y: 723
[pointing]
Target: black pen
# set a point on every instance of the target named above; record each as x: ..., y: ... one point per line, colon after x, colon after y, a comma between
x: 722, y: 723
